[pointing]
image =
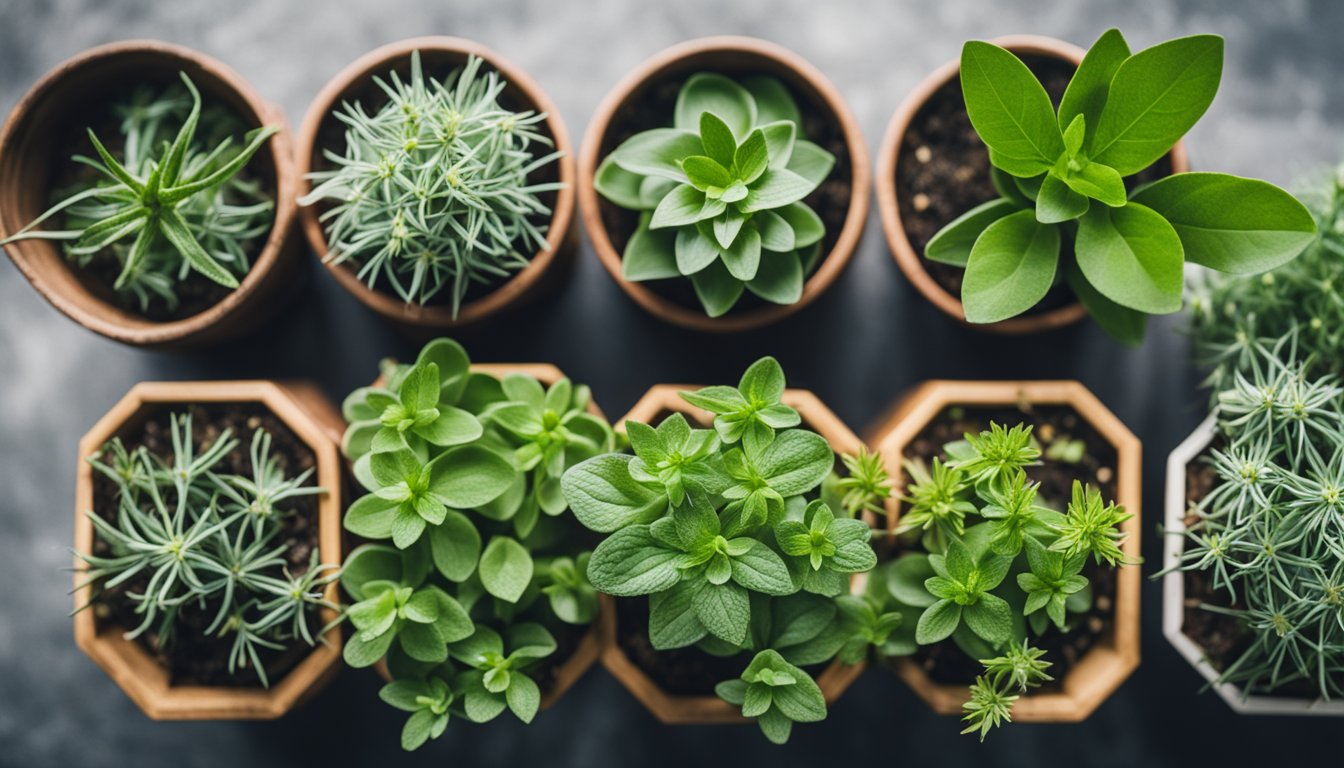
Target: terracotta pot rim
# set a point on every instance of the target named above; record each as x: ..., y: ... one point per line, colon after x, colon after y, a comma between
x: 830, y: 267
x: 911, y: 263
x: 142, y: 678
x: 504, y: 294
x: 148, y: 332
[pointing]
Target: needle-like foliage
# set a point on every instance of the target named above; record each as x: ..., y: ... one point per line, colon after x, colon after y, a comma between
x: 432, y: 191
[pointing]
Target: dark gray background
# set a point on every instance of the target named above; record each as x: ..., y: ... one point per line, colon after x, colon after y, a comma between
x: 1279, y: 114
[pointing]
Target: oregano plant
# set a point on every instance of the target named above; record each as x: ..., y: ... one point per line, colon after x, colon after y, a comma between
x: 1065, y: 212
x: 739, y: 543
x: 721, y: 193
x: 472, y: 567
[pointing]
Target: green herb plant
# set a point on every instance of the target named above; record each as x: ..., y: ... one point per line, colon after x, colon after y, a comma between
x: 171, y: 205
x: 721, y: 193
x: 1066, y: 213
x: 473, y: 566
x: 989, y: 567
x: 433, y: 194
x: 728, y: 534
x: 188, y: 538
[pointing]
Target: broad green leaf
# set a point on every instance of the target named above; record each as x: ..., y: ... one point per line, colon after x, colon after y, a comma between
x: 717, y: 139
x: 673, y: 622
x: 761, y: 570
x: 422, y: 643
x: 1011, y: 268
x: 779, y: 278
x: 807, y: 226
x: 717, y: 290
x: 704, y: 172
x: 751, y: 158
x: 1133, y: 257
x: 506, y: 568
x: 369, y: 562
x: 711, y: 92
x: 694, y: 250
x: 1123, y: 324
x: 1099, y: 182
x: 371, y: 517
x: 1009, y: 109
x: 727, y: 226
x: 632, y: 562
x: 360, y: 652
x: 657, y: 152
x: 743, y: 257
x: 523, y: 697
x: 725, y: 610
x: 776, y: 234
x: 937, y: 622
x: 795, y: 462
x: 1057, y: 202
x: 953, y: 243
x: 456, y: 546
x: 682, y: 206
x: 779, y: 141
x: 906, y: 577
x: 1086, y: 94
x: 618, y: 185
x: 811, y: 162
x: 776, y: 188
x: 469, y: 476
x: 990, y: 618
x: 650, y: 255
x: 773, y: 100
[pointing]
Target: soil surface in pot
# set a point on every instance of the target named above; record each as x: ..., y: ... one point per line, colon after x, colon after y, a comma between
x: 943, y: 172
x: 652, y: 106
x: 366, y: 93
x: 947, y: 664
x: 196, y: 293
x: 194, y: 658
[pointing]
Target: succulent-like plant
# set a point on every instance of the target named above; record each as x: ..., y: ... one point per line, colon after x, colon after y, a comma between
x: 483, y: 568
x: 988, y: 567
x: 726, y: 532
x: 721, y: 193
x: 187, y: 538
x: 1065, y: 212
x: 172, y: 204
x: 434, y: 191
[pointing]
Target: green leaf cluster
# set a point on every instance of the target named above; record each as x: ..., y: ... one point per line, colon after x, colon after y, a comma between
x: 721, y: 193
x: 1065, y: 213
x: 725, y: 531
x: 474, y: 563
x: 172, y: 204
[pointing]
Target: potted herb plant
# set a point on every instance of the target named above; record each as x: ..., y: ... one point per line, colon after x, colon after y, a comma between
x: 1252, y: 565
x: 1082, y: 195
x: 207, y: 542
x: 471, y: 592
x: 724, y: 184
x: 147, y: 192
x: 988, y: 465
x: 439, y: 182
x: 731, y: 545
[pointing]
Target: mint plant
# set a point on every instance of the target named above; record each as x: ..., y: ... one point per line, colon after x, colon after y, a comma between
x: 721, y: 193
x: 988, y: 566
x: 435, y: 192
x: 171, y: 205
x: 1065, y: 213
x: 472, y: 566
x: 188, y: 538
x: 726, y: 532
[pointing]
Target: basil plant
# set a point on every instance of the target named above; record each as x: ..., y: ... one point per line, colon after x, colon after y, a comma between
x: 472, y: 565
x: 721, y: 193
x: 732, y: 535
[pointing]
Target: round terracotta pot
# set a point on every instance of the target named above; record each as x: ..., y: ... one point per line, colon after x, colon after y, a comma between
x: 729, y: 55
x: 888, y: 202
x: 60, y: 104
x: 439, y: 56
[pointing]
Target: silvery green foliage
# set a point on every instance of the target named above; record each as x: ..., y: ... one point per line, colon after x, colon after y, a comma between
x: 1270, y: 534
x: 185, y: 538
x: 432, y: 191
x: 473, y: 562
x: 731, y: 535
x: 172, y: 204
x: 721, y: 193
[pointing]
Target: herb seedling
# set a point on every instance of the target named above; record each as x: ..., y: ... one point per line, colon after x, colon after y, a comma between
x: 720, y: 193
x: 1061, y: 176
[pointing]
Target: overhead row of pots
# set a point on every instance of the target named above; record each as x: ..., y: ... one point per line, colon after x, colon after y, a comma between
x: 30, y: 148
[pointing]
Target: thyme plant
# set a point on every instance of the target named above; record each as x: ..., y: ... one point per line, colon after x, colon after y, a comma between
x: 187, y: 538
x: 727, y: 532
x: 432, y: 194
x: 172, y: 204
x: 720, y: 193
x: 473, y: 566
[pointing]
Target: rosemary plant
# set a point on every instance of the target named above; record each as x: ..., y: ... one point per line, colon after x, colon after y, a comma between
x: 185, y: 538
x: 172, y: 205
x: 432, y: 192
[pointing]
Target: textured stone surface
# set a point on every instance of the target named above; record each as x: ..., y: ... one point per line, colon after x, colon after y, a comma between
x: 1280, y: 113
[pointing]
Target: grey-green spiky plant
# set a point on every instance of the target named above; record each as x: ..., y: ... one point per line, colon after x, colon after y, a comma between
x: 172, y: 205
x: 432, y: 191
x: 185, y: 538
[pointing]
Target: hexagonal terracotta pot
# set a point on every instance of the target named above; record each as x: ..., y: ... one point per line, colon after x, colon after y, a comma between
x: 670, y: 708
x: 589, y: 648
x: 1173, y: 592
x: 1116, y: 655
x: 910, y: 261
x: 60, y: 105
x: 322, y: 131
x: 310, y: 417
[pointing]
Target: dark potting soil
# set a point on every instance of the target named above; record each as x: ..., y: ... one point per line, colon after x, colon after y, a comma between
x: 196, y: 293
x: 194, y: 658
x: 652, y: 106
x: 943, y: 172
x: 945, y: 662
x: 365, y: 92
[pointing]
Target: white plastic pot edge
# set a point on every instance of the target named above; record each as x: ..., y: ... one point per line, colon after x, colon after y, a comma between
x: 1173, y: 592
